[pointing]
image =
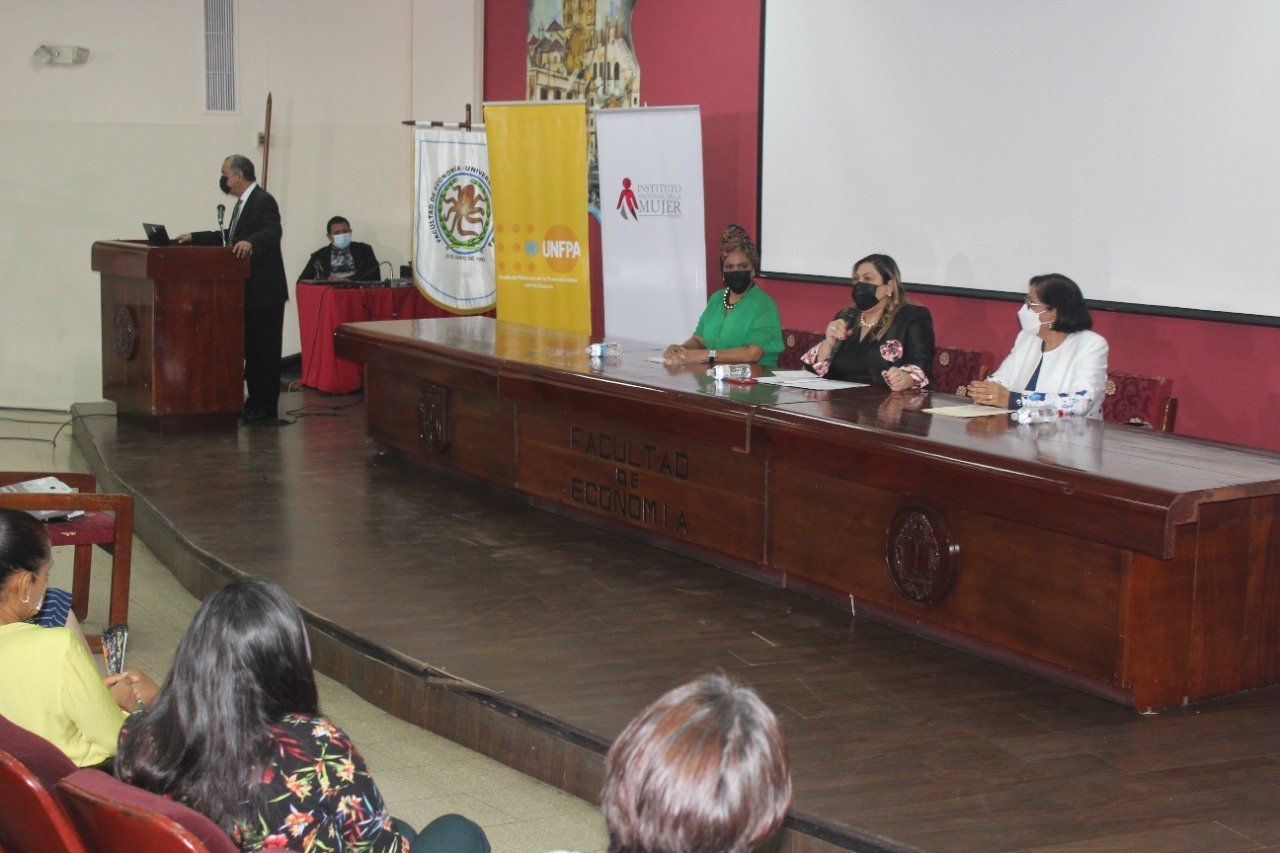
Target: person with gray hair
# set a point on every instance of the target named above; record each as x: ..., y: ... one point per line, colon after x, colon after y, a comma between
x: 702, y: 769
x: 254, y: 232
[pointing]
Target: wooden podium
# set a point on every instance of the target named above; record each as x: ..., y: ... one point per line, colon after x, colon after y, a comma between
x: 172, y: 333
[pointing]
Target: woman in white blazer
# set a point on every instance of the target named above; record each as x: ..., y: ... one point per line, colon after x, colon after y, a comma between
x: 1055, y: 353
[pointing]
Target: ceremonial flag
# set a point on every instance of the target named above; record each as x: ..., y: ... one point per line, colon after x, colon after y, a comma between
x: 652, y: 224
x: 453, y: 220
x: 538, y: 158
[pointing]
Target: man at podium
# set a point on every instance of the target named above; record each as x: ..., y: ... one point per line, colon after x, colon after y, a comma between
x: 254, y: 232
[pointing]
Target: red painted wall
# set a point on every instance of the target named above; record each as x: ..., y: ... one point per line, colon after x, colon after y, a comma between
x: 1226, y: 377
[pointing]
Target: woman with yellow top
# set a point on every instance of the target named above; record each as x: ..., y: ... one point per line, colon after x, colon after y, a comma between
x: 49, y: 684
x: 740, y: 323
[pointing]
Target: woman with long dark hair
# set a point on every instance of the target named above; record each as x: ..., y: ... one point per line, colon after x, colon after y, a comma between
x: 48, y: 682
x: 236, y: 734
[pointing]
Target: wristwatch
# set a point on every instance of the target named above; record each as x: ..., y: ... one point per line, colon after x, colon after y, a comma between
x: 711, y: 356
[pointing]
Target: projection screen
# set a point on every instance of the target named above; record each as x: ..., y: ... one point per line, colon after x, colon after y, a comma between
x: 1130, y: 144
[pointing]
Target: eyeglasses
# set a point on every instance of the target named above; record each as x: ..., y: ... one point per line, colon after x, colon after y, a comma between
x: 1033, y: 305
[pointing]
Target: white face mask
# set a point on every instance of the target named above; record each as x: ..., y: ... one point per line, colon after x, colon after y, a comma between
x: 1029, y: 320
x: 342, y: 241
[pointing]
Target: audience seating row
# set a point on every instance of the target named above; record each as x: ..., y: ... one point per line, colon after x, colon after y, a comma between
x: 46, y: 803
x: 1131, y: 398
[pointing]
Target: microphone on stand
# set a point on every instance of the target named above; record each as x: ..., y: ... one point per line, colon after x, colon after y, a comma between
x: 360, y: 276
x: 222, y: 210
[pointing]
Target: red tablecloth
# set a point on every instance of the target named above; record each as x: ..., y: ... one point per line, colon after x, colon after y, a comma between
x: 323, y: 308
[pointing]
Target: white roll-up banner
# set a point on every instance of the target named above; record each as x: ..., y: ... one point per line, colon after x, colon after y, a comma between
x: 653, y: 233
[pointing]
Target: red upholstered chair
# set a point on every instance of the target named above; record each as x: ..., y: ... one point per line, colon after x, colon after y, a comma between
x: 796, y: 342
x: 114, y: 817
x: 107, y: 522
x: 46, y: 761
x: 954, y: 368
x: 30, y: 820
x: 1137, y: 400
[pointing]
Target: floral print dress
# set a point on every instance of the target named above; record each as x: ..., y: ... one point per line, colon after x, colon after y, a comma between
x: 318, y: 795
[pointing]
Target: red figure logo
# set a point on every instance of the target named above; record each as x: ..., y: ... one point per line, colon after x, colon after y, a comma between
x: 628, y: 198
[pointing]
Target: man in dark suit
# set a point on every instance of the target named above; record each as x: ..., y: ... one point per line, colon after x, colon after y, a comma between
x: 254, y: 233
x: 342, y: 258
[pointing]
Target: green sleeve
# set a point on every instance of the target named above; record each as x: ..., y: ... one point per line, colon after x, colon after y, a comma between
x: 700, y: 331
x: 766, y: 332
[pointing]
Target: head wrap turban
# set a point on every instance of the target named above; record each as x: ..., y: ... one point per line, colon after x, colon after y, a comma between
x: 736, y: 237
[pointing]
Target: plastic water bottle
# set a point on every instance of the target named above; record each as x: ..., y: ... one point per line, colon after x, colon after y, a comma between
x: 605, y: 350
x: 1038, y: 407
x: 722, y: 372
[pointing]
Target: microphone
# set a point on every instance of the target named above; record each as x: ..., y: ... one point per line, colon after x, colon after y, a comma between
x: 849, y: 316
x: 222, y: 210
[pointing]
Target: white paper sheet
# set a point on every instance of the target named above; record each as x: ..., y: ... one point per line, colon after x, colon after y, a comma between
x: 972, y: 410
x: 805, y: 379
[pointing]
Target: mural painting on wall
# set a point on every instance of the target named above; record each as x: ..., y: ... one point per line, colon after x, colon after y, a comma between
x: 581, y: 50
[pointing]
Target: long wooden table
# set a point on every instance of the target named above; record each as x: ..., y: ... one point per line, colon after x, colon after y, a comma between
x: 1142, y: 567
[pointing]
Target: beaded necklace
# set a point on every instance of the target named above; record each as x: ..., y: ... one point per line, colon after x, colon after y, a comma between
x: 728, y: 306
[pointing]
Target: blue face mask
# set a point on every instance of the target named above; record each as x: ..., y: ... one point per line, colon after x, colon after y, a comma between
x: 342, y: 241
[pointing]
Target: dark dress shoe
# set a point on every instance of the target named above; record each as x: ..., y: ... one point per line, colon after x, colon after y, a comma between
x: 252, y: 416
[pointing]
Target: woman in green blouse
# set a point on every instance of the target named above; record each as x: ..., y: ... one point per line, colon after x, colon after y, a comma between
x: 741, y: 322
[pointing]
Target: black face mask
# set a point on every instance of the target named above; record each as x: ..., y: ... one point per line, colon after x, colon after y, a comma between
x: 738, y: 280
x: 222, y: 185
x: 864, y: 295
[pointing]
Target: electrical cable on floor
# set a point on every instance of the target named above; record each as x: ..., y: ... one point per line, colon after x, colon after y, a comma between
x: 61, y: 426
x: 22, y: 421
x: 25, y: 438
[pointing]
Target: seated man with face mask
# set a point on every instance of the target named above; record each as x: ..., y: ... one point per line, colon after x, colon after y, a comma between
x: 342, y: 259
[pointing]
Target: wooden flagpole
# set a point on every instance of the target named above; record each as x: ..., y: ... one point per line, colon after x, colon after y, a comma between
x: 264, y: 139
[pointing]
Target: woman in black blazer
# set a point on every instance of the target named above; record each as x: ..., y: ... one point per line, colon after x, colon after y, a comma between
x: 882, y: 339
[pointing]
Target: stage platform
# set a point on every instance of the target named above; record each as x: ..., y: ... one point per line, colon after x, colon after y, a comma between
x: 533, y: 637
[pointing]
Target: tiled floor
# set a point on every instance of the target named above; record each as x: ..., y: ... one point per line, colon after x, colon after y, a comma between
x: 420, y: 774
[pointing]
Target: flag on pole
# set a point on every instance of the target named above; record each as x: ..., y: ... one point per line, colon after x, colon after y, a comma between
x: 652, y: 226
x: 538, y: 157
x: 453, y: 220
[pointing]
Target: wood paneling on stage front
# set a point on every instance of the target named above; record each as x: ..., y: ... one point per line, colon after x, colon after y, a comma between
x: 1141, y: 567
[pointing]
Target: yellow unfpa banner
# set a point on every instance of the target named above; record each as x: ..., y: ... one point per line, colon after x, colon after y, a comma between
x: 538, y: 168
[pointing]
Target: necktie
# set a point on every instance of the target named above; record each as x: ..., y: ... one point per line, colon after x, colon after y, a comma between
x: 235, y: 217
